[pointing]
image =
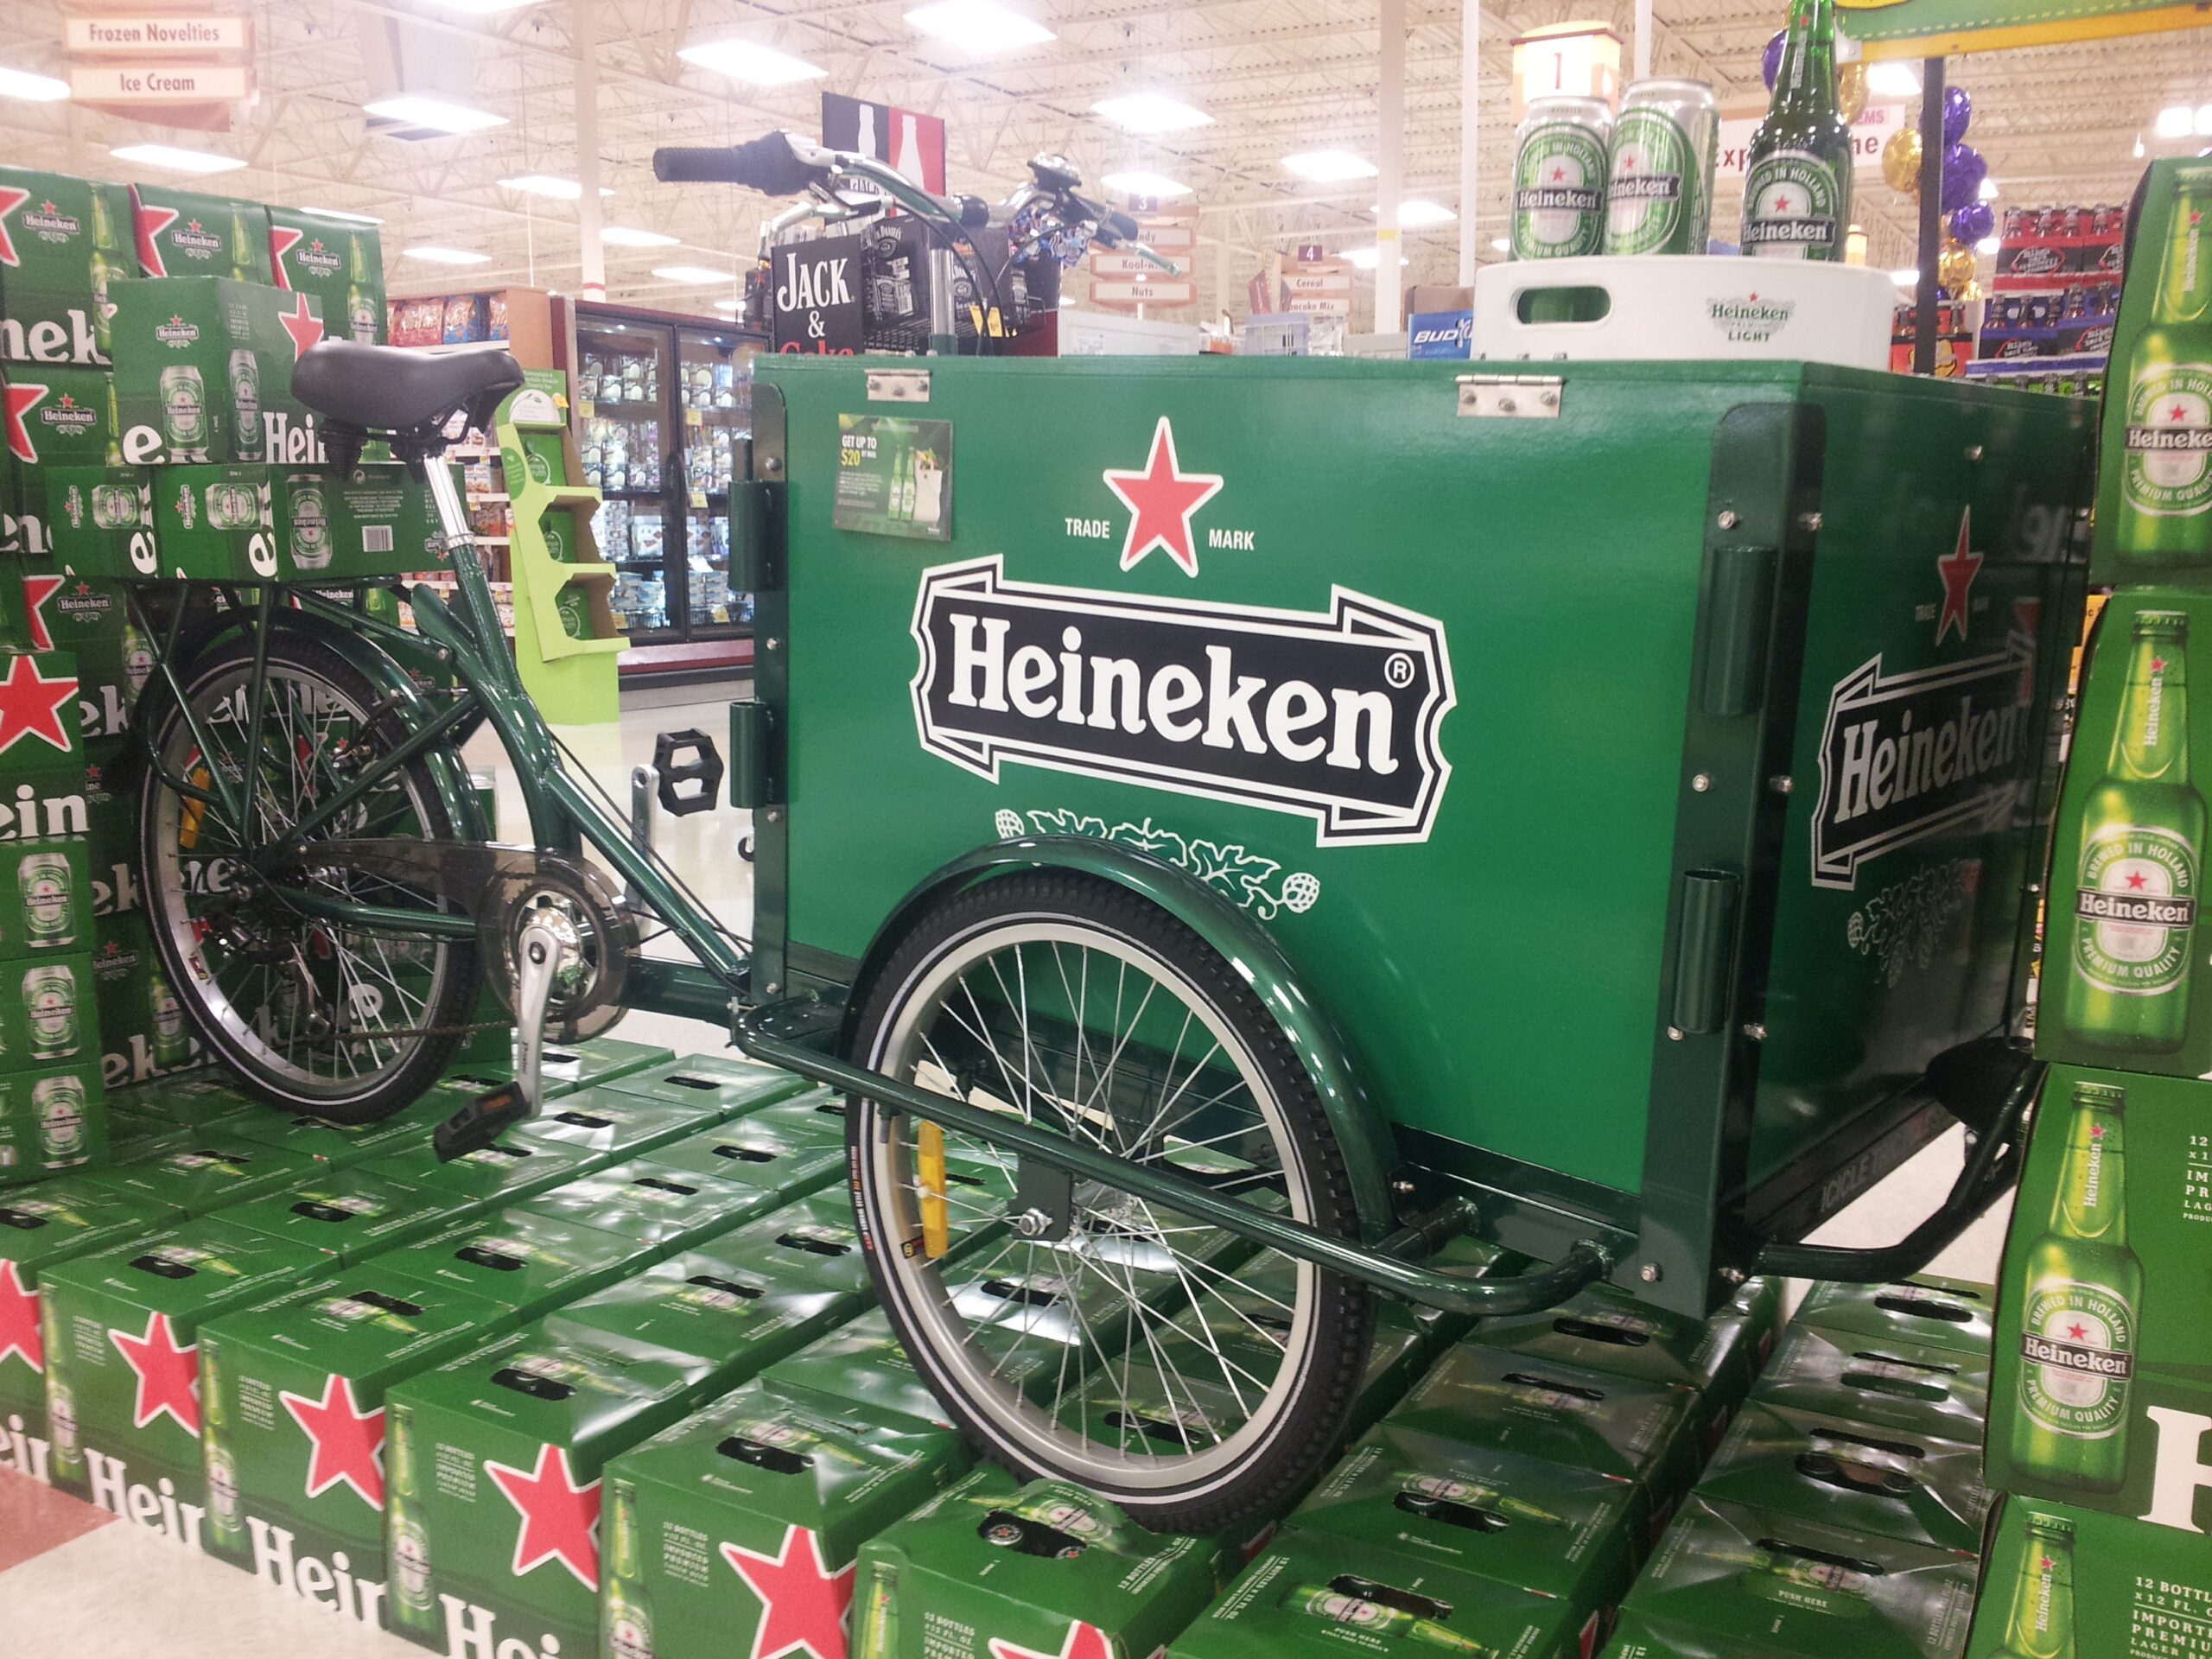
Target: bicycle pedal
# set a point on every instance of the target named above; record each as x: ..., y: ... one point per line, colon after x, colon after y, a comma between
x: 480, y: 1122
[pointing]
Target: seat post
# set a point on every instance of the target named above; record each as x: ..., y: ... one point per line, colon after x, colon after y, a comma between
x: 453, y: 517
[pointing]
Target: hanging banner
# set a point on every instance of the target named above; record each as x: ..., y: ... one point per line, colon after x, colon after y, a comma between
x: 1876, y: 125
x: 914, y: 143
x: 1931, y: 29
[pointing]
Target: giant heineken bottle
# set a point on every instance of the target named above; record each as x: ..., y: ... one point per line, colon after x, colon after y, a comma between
x: 107, y: 263
x: 2165, y: 493
x: 2040, y: 1624
x: 361, y: 308
x: 2127, y: 985
x: 1797, y: 189
x: 2081, y: 1302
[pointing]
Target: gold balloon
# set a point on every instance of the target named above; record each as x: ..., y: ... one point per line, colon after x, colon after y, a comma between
x: 1851, y: 90
x: 1901, y: 161
x: 1955, y: 266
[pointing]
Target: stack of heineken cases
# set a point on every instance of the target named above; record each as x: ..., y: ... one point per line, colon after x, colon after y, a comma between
x: 2101, y: 1403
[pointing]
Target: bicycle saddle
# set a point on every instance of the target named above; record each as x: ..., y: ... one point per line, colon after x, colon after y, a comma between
x: 403, y: 389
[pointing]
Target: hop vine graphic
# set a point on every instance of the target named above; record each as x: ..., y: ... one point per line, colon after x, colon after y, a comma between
x: 1245, y: 878
x: 1908, y: 922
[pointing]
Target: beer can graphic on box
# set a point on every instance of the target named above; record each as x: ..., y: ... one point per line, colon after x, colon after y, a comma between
x: 50, y: 992
x: 46, y: 898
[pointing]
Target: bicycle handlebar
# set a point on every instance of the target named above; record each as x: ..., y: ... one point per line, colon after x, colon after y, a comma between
x: 771, y: 164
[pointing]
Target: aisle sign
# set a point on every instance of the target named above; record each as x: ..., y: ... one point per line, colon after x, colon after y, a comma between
x: 144, y: 37
x: 160, y: 83
x: 1876, y: 125
x: 1114, y: 295
x: 1104, y: 263
x: 816, y: 296
x: 1928, y: 28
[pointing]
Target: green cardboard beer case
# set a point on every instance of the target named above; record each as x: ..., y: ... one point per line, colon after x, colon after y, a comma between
x: 509, y: 1169
x: 132, y: 1136
x: 492, y: 1498
x: 1932, y: 1311
x: 864, y: 1363
x: 749, y: 1155
x: 219, y: 1169
x: 1731, y: 1579
x: 1540, y: 1526
x: 252, y: 522
x: 46, y: 898
x: 1937, y: 1391
x: 42, y: 1227
x: 344, y: 1214
x: 817, y: 1115
x: 1889, y: 1482
x: 1315, y: 1593
x: 564, y: 1068
x: 203, y: 372
x: 526, y: 1262
x: 52, y: 1119
x: 62, y: 240
x: 339, y: 1145
x: 1639, y: 1436
x: 191, y: 233
x: 199, y: 1102
x: 614, y: 1125
x: 292, y: 1393
x: 48, y: 1013
x: 2101, y: 1392
x: 990, y: 1568
x: 734, y: 1531
x: 725, y: 1084
x: 670, y: 1208
x: 122, y: 1361
x: 40, y: 731
x: 2063, y: 1582
x: 61, y: 414
x: 339, y: 261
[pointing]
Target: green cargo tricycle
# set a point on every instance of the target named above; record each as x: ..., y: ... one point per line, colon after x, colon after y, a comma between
x: 1245, y: 835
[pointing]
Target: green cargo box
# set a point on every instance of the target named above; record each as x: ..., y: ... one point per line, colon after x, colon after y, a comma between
x: 217, y: 1170
x: 1933, y: 1312
x: 1938, y: 1391
x: 529, y: 1263
x: 70, y: 238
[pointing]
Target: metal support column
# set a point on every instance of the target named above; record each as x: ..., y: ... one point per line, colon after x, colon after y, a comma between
x: 1390, y: 154
x: 1642, y: 39
x: 1471, y: 42
x: 1931, y: 212
x: 593, y: 251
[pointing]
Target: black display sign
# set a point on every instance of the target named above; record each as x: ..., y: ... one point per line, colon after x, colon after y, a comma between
x: 814, y: 290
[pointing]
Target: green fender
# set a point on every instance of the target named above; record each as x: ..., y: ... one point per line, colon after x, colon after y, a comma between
x: 1364, y: 1140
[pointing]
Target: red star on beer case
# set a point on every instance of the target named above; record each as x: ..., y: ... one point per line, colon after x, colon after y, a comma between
x: 1958, y: 568
x: 347, y: 1442
x: 168, y: 1376
x: 19, y: 1332
x: 559, y: 1519
x: 37, y: 591
x: 1084, y: 1642
x: 281, y: 242
x: 31, y: 705
x: 1160, y: 500
x: 10, y: 199
x: 802, y: 1604
x: 151, y: 222
x: 304, y: 329
x: 21, y: 399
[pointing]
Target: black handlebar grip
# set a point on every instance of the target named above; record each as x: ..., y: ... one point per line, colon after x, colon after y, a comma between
x: 1121, y: 224
x: 767, y: 164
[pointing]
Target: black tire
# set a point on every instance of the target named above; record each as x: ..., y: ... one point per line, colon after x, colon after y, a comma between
x: 382, y: 1077
x: 1323, y: 1379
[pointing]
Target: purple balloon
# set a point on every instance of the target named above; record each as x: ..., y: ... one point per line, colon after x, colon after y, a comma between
x: 1963, y: 171
x: 1771, y: 64
x: 1958, y: 114
x: 1973, y: 222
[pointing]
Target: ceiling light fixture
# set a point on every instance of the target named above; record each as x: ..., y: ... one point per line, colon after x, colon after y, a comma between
x: 624, y: 236
x: 1413, y: 215
x: 1368, y: 258
x: 750, y: 61
x: 1151, y: 113
x: 1138, y: 182
x: 1329, y: 166
x: 1892, y: 79
x: 1501, y: 244
x: 1906, y: 276
x: 176, y: 158
x: 437, y: 255
x: 2204, y: 119
x: 692, y: 274
x: 341, y: 213
x: 485, y: 7
x: 1988, y: 188
x: 1989, y: 244
x: 979, y: 26
x: 36, y: 89
x: 2175, y: 121
x: 548, y: 184
x: 439, y: 114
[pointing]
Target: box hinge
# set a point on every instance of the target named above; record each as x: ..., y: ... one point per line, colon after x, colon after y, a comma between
x: 1511, y: 397
x: 755, y: 766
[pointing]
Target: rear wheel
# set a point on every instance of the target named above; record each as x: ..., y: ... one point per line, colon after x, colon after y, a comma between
x: 1070, y: 1328
x: 314, y: 1016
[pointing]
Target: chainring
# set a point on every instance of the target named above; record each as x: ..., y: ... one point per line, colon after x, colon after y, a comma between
x: 599, y: 935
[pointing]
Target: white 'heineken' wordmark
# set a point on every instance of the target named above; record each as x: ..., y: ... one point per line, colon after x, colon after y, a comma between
x: 1907, y: 756
x: 1332, y: 714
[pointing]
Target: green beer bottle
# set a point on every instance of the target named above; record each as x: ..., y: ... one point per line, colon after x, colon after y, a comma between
x: 107, y: 264
x: 2165, y: 492
x: 360, y: 302
x: 2041, y: 1623
x: 879, y: 1631
x: 1797, y: 189
x: 626, y: 1617
x: 1775, y: 1572
x: 114, y: 456
x: 172, y: 1044
x: 1352, y: 1607
x: 2126, y: 984
x: 407, y: 1546
x: 225, y: 1517
x: 2080, y: 1301
x: 1445, y: 1488
x: 242, y: 262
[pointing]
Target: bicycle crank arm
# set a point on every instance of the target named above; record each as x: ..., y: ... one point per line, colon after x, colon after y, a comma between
x: 780, y: 1034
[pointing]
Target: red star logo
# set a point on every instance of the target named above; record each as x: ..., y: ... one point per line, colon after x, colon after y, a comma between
x: 1557, y: 174
x: 168, y: 1376
x: 10, y: 199
x: 2076, y: 1332
x: 1958, y: 568
x: 304, y: 329
x: 31, y: 705
x: 21, y: 400
x: 281, y: 242
x: 151, y: 222
x: 559, y: 1519
x: 193, y: 226
x: 2177, y: 414
x: 19, y: 1334
x: 1083, y: 1642
x: 67, y: 402
x: 802, y: 1603
x: 1782, y: 204
x: 1160, y: 500
x: 2135, y: 879
x: 2097, y: 1131
x: 37, y: 591
x: 348, y: 1442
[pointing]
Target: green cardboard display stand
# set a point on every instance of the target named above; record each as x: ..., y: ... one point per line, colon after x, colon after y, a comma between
x: 565, y: 637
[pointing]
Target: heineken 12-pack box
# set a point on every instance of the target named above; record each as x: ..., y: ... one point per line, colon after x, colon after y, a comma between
x: 339, y: 260
x: 254, y: 522
x: 734, y: 1531
x: 46, y: 898
x: 615, y: 1125
x: 2102, y: 1393
x: 1731, y: 1581
x: 727, y: 1084
x: 203, y: 372
x: 217, y: 1170
x: 511, y: 1168
x: 191, y: 233
x: 344, y: 1215
x: 2062, y: 1582
x: 1927, y: 1309
x: 1942, y: 1392
x: 750, y: 1155
x: 62, y: 241
x: 53, y: 1119
x: 662, y: 1205
x: 338, y: 1145
x: 864, y: 1363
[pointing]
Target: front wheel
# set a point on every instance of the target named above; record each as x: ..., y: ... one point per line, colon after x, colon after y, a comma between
x: 1072, y: 1329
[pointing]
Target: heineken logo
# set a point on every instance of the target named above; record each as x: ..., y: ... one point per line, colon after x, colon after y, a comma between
x: 1333, y: 716
x: 1558, y: 198
x: 195, y: 241
x: 318, y: 260
x: 69, y: 416
x: 114, y: 962
x: 1645, y: 188
x: 49, y: 223
x: 2188, y: 440
x: 85, y: 603
x: 1750, y: 318
x: 176, y: 333
x: 2076, y: 1356
x: 2153, y: 910
x: 1907, y: 756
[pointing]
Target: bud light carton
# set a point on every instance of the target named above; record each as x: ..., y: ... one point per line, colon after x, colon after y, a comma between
x: 67, y: 240
x: 1538, y: 1526
x: 492, y: 1495
x: 42, y: 1227
x: 749, y: 1155
x: 190, y: 233
x: 217, y: 1170
x: 46, y: 898
x: 176, y: 337
x: 727, y: 1084
x: 1440, y: 334
x: 1729, y: 1578
x: 510, y: 1169
x: 52, y: 1120
x: 344, y: 1214
x: 618, y: 1126
x: 990, y: 1568
x: 292, y: 1393
x: 736, y: 1527
x: 1938, y: 1391
x: 1885, y: 1481
x: 529, y: 1263
x: 1932, y: 1311
x: 670, y: 1208
x: 1315, y: 1593
x: 123, y: 1362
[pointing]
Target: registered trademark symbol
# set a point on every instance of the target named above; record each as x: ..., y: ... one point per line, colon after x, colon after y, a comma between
x: 1399, y: 671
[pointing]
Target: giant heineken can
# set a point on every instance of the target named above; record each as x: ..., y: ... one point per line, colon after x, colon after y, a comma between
x: 245, y: 399
x: 311, y: 526
x: 1559, y: 178
x: 50, y: 1000
x: 232, y: 507
x: 49, y: 907
x: 58, y: 1104
x: 1659, y: 194
x: 184, y: 412
x: 115, y: 506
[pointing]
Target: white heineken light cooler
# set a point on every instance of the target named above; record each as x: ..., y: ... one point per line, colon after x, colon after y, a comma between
x: 1683, y: 308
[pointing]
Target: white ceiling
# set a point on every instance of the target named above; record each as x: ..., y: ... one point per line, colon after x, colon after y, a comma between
x: 2057, y: 123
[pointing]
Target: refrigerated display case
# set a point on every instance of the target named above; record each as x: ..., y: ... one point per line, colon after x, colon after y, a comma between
x: 715, y: 409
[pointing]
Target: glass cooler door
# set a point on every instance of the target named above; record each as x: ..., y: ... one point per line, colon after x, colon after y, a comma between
x: 714, y: 415
x: 630, y: 452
